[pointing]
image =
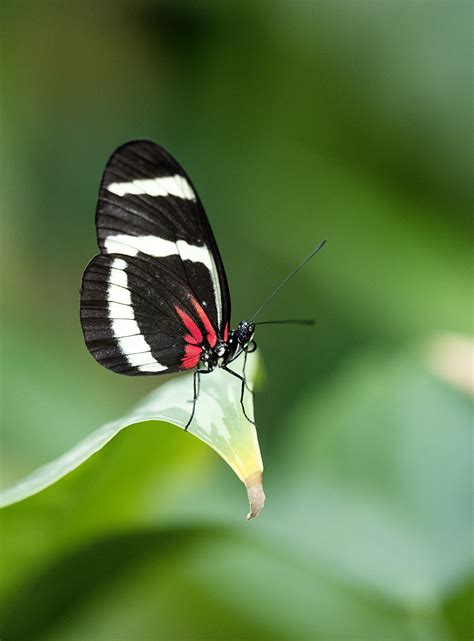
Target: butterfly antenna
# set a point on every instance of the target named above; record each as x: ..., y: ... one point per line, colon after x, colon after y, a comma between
x: 287, y: 322
x: 289, y: 277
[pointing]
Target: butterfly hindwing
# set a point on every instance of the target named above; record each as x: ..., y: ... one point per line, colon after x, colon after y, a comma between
x: 139, y: 319
x: 157, y: 292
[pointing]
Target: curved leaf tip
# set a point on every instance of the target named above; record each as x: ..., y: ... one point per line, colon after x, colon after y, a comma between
x: 254, y: 485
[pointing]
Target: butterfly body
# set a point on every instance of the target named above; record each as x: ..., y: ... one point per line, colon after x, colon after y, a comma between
x: 224, y: 352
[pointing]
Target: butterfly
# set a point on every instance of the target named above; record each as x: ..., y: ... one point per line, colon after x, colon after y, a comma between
x: 156, y: 299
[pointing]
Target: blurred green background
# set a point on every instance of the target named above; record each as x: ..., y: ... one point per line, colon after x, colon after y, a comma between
x: 296, y: 121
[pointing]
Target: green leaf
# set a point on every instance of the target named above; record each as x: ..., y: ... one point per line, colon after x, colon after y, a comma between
x: 218, y: 421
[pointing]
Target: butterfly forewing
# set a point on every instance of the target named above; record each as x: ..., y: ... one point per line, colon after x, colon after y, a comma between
x: 158, y: 291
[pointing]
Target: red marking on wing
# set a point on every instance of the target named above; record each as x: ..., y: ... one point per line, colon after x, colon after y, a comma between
x: 195, y: 335
x: 192, y: 350
x: 192, y: 354
x: 226, y: 332
x: 211, y: 332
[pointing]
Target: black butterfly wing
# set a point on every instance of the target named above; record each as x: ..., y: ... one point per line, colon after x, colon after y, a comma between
x: 158, y: 291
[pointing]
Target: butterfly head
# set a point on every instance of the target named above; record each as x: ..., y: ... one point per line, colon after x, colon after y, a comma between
x: 245, y: 332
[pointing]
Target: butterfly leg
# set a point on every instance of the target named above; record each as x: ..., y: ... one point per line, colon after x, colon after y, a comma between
x: 197, y: 387
x: 242, y: 391
x: 243, y: 372
x: 249, y: 349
